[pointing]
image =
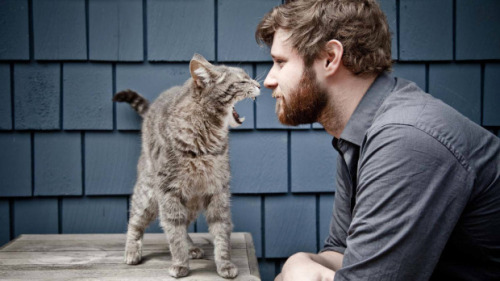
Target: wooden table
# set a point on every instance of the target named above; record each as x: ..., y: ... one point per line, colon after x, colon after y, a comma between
x: 100, y: 257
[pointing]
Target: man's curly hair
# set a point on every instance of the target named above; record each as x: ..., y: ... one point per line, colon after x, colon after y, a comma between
x: 360, y: 25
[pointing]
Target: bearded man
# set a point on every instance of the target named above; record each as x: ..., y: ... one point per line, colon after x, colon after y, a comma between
x: 418, y: 184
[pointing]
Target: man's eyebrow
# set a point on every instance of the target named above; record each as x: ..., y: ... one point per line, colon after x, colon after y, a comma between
x: 277, y: 56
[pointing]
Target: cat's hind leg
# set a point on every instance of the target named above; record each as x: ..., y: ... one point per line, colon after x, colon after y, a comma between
x: 143, y: 209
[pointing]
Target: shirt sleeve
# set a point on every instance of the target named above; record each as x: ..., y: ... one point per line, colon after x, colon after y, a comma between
x: 341, y: 217
x: 411, y: 192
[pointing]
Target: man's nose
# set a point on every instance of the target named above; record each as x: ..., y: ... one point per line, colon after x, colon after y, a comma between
x: 270, y: 82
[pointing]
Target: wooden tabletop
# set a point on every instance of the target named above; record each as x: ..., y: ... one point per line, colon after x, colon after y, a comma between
x: 100, y: 257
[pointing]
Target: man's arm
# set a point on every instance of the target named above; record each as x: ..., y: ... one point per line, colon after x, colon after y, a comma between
x: 313, y: 267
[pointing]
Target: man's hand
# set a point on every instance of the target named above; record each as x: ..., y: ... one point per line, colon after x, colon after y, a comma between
x: 311, y: 267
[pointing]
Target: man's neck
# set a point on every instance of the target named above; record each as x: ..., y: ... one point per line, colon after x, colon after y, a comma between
x: 345, y: 92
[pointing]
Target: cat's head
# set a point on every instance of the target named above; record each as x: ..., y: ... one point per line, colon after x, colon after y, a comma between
x: 221, y: 87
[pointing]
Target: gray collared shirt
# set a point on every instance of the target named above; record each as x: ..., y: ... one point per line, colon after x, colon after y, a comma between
x: 418, y: 190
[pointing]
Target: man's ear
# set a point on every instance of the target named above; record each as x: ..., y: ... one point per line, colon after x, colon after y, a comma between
x: 333, y: 56
x: 202, y: 71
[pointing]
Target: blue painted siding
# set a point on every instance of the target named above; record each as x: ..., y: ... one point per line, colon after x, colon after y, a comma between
x: 59, y: 30
x: 149, y: 80
x: 69, y: 155
x: 411, y: 71
x: 286, y: 217
x: 94, y: 215
x: 116, y: 30
x: 258, y: 162
x: 389, y: 8
x: 58, y: 163
x: 246, y: 213
x: 35, y: 216
x: 5, y: 98
x: 313, y: 162
x: 237, y: 20
x: 326, y: 203
x: 491, y: 102
x: 37, y: 96
x: 458, y: 85
x: 110, y: 162
x: 87, y: 96
x: 14, y: 32
x: 477, y: 30
x: 168, y: 20
x: 15, y: 159
x: 4, y: 221
x: 426, y: 30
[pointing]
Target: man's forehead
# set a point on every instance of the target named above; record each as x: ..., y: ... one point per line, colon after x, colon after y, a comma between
x: 281, y: 45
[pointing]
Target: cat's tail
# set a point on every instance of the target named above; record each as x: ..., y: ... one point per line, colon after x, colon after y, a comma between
x: 136, y: 101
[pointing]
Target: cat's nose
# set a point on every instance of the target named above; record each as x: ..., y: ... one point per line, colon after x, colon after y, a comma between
x: 257, y: 84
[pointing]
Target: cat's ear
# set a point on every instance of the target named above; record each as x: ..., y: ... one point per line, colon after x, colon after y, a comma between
x: 202, y: 71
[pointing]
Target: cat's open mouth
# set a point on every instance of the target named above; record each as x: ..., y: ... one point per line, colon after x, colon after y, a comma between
x: 237, y: 117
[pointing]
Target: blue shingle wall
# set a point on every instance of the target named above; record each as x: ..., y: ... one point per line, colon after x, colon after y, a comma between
x: 68, y: 155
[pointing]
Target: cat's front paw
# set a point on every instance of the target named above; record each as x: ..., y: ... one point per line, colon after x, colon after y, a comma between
x: 133, y: 253
x: 132, y: 257
x: 178, y: 271
x: 196, y: 253
x: 227, y: 270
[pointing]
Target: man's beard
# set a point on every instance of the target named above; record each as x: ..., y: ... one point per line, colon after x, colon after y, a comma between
x: 303, y: 104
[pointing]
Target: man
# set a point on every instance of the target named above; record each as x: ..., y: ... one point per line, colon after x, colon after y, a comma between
x: 418, y: 184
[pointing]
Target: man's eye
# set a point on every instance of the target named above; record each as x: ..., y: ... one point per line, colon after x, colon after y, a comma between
x: 280, y: 62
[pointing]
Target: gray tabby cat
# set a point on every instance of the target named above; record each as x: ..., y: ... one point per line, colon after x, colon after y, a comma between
x: 184, y: 163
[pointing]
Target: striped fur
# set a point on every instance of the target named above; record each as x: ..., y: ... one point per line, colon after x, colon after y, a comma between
x: 184, y: 164
x: 136, y: 101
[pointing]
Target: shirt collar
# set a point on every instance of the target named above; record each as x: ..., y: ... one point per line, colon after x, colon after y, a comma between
x: 363, y: 115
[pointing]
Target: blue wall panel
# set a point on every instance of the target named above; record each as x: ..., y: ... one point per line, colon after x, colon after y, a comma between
x: 246, y: 213
x: 37, y: 96
x: 87, y: 93
x: 59, y: 30
x: 58, y: 163
x: 390, y: 10
x: 458, y: 85
x: 258, y: 162
x: 313, y: 162
x: 14, y: 34
x: 94, y: 215
x: 426, y: 30
x: 491, y: 102
x: 5, y: 98
x: 35, y: 216
x: 325, y: 215
x: 111, y: 162
x: 237, y: 20
x: 178, y: 29
x: 15, y: 164
x: 116, y: 30
x: 4, y: 222
x: 411, y: 71
x: 267, y: 269
x: 477, y: 29
x: 266, y: 105
x: 290, y: 225
x: 148, y: 80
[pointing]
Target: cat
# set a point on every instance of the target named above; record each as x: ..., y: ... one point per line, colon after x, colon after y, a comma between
x: 184, y: 163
